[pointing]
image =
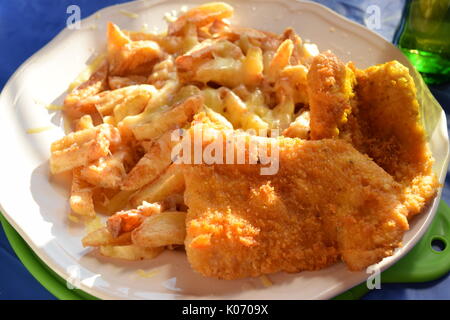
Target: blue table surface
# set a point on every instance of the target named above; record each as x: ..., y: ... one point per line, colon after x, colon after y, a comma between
x: 27, y: 25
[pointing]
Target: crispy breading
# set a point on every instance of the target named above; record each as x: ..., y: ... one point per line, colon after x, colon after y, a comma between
x: 379, y: 116
x: 327, y: 202
x: 330, y: 90
x: 393, y: 135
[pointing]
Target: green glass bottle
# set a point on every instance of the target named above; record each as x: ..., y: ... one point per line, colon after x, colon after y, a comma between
x: 425, y: 38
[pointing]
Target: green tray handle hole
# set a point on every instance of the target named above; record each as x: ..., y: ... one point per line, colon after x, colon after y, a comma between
x: 438, y: 244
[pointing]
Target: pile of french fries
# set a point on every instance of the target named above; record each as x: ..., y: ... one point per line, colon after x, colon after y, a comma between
x: 146, y: 86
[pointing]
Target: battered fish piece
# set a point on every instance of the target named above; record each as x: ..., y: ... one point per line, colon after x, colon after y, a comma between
x: 379, y: 115
x: 392, y: 131
x: 327, y: 202
x: 330, y: 93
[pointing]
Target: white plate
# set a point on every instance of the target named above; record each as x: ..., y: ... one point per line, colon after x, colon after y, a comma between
x: 37, y: 206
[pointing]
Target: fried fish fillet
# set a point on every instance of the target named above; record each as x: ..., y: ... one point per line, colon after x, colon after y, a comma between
x: 392, y: 132
x: 379, y: 115
x: 327, y: 202
x: 330, y: 92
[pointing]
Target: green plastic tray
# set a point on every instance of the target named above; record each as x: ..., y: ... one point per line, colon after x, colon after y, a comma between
x: 422, y: 263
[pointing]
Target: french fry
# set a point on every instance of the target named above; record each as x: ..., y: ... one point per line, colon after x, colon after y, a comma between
x: 252, y: 66
x: 168, y: 119
x: 170, y: 44
x: 238, y: 113
x: 126, y: 221
x: 143, y: 35
x: 225, y: 71
x: 162, y: 229
x: 101, y: 197
x: 85, y: 122
x: 74, y: 104
x: 250, y: 33
x: 309, y: 51
x: 218, y: 61
x: 221, y: 29
x: 184, y: 93
x: 280, y: 59
x: 81, y: 196
x: 162, y: 72
x: 128, y: 100
x: 300, y: 127
x: 133, y: 103
x: 198, y: 54
x: 78, y: 138
x: 81, y: 147
x: 130, y: 252
x: 116, y: 82
x: 118, y: 202
x: 206, y: 50
x: 106, y: 172
x: 126, y: 56
x: 157, y: 101
x: 151, y: 165
x: 201, y: 16
x: 297, y: 52
x: 90, y: 69
x: 190, y: 39
x: 103, y: 237
x: 293, y: 82
x: 267, y: 41
x: 218, y: 118
x: 213, y: 100
x: 170, y: 182
x: 110, y: 120
x: 93, y: 224
x: 284, y: 112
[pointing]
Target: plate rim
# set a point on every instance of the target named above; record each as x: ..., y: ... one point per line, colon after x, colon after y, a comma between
x: 103, y: 294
